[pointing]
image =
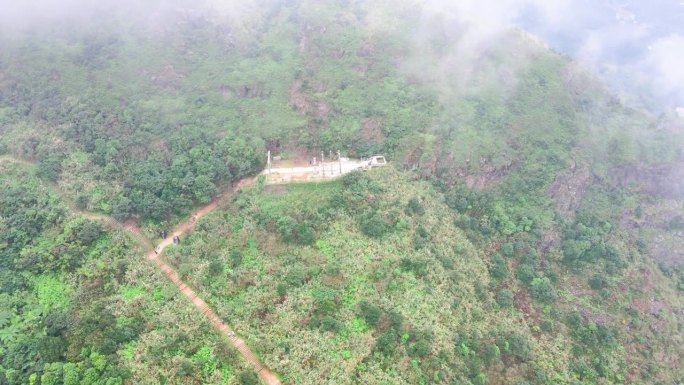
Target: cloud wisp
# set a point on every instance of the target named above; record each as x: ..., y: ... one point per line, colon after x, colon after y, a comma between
x: 643, y: 43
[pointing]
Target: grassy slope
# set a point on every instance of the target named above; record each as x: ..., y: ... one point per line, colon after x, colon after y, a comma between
x: 115, y: 305
x: 522, y: 119
x: 272, y: 289
x: 344, y: 261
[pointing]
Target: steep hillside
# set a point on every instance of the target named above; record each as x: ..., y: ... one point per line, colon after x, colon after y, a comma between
x: 78, y: 306
x: 528, y: 231
x: 379, y: 279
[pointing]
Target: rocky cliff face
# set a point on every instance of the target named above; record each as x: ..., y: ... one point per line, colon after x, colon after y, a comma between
x: 664, y: 181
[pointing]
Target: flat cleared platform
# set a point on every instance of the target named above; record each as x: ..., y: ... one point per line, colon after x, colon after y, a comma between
x: 321, y: 171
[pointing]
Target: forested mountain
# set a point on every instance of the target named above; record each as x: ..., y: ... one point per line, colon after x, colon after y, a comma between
x: 528, y: 231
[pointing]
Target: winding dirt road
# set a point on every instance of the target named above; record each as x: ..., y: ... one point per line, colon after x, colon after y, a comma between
x: 226, y: 330
x: 268, y: 377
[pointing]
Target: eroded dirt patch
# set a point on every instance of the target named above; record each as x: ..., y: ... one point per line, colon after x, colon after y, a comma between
x: 568, y: 189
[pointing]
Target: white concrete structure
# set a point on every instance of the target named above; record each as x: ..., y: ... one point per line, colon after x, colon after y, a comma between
x: 321, y: 171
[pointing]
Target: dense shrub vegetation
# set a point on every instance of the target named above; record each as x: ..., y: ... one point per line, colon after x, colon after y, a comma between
x: 77, y: 306
x: 525, y: 233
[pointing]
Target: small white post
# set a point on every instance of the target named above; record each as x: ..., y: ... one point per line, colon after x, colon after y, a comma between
x: 339, y: 159
x: 269, y: 162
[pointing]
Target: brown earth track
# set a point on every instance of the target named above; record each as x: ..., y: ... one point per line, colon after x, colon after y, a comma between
x: 268, y: 377
x: 16, y: 160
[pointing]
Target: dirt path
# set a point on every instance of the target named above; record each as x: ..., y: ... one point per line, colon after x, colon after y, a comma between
x: 130, y: 227
x: 268, y: 377
x: 183, y: 227
x: 8, y: 158
x: 202, y: 306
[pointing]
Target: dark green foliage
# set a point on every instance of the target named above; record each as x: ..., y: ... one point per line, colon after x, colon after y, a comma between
x: 359, y: 196
x: 27, y: 212
x: 82, y: 201
x: 418, y: 242
x: 464, y: 200
x: 122, y: 209
x: 70, y: 341
x: 492, y: 354
x: 480, y: 379
x: 387, y: 343
x: 88, y: 231
x: 542, y: 289
x: 588, y: 242
x: 447, y: 261
x: 663, y: 267
x: 326, y: 300
x: 185, y: 368
x: 539, y: 376
x: 296, y: 276
x: 396, y: 320
x: 594, y: 336
x: 419, y: 267
x: 337, y: 200
x: 50, y: 165
x: 508, y: 249
x: 518, y: 347
x: 547, y: 325
x: 293, y: 231
x: 414, y: 207
x: 235, y: 258
x: 330, y: 324
x: 199, y: 163
x: 215, y: 269
x: 358, y: 184
x: 374, y: 225
x: 421, y: 237
x: 583, y: 371
x: 287, y: 227
x: 504, y: 298
x: 360, y: 199
x: 574, y: 319
x: 481, y: 292
x: 56, y: 323
x: 574, y: 250
x: 248, y: 378
x: 51, y: 349
x: 499, y: 269
x: 525, y: 273
x: 371, y: 313
x: 597, y: 281
x: 420, y: 348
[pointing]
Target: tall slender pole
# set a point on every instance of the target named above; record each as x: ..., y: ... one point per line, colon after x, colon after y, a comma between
x: 323, y: 162
x: 269, y: 161
x: 339, y: 160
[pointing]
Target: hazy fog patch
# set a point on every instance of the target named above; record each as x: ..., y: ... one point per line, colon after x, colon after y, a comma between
x: 456, y: 46
x: 448, y: 39
x: 666, y: 57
